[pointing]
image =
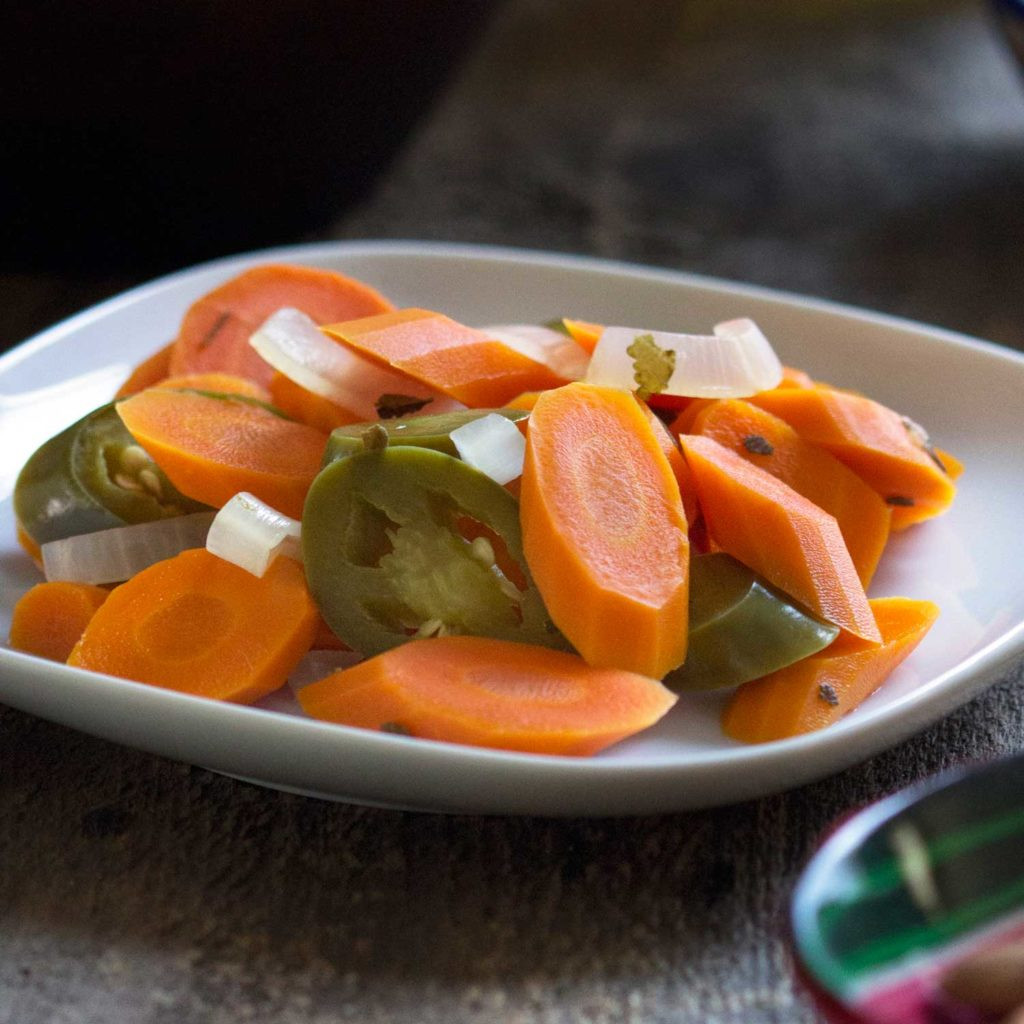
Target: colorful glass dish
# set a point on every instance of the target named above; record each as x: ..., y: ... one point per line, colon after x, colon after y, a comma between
x: 908, y: 888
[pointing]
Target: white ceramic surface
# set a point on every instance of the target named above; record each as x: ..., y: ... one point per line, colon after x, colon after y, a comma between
x: 970, y: 561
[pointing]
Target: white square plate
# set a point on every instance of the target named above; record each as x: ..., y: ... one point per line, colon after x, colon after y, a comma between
x: 970, y: 561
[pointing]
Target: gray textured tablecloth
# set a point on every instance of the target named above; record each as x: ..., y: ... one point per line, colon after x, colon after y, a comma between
x: 871, y: 152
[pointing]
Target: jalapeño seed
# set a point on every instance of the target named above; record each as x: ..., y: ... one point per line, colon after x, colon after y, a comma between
x: 134, y: 458
x: 151, y: 482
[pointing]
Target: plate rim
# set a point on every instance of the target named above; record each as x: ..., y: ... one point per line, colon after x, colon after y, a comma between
x: 823, y: 752
x: 399, y: 247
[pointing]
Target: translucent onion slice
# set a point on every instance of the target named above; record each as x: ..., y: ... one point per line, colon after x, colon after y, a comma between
x: 293, y: 344
x: 251, y: 534
x: 111, y: 556
x: 554, y: 349
x: 317, y: 664
x: 492, y: 444
x: 734, y: 362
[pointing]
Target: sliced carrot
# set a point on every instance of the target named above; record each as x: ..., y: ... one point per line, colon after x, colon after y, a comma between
x: 149, y: 372
x: 213, y: 447
x: 49, y: 618
x: 216, y: 383
x: 526, y: 401
x: 201, y: 625
x: 879, y: 445
x: 778, y: 533
x: 461, y: 361
x: 215, y: 332
x: 794, y: 378
x: 772, y: 444
x: 683, y: 422
x: 28, y: 545
x: 490, y: 693
x: 815, y: 692
x: 302, y: 405
x: 680, y: 470
x: 952, y: 465
x: 584, y: 333
x: 604, y: 531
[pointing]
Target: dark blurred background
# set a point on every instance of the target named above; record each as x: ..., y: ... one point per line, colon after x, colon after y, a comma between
x: 866, y: 150
x: 153, y: 135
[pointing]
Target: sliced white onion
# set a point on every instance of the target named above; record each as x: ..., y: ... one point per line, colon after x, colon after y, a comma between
x: 110, y: 556
x: 492, y: 444
x: 554, y: 349
x: 251, y: 534
x: 317, y: 664
x: 734, y: 362
x: 294, y: 345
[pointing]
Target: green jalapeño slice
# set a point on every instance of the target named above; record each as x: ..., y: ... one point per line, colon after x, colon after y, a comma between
x: 93, y: 476
x: 407, y: 541
x: 741, y: 627
x: 432, y: 431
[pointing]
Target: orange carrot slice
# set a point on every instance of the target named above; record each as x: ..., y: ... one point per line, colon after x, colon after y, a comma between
x: 683, y: 422
x: 772, y: 444
x: 780, y: 534
x: 461, y: 361
x: 880, y: 446
x: 49, y: 619
x: 198, y: 624
x: 604, y: 531
x: 213, y: 447
x: 313, y: 410
x: 490, y: 693
x: 952, y: 465
x: 216, y: 383
x: 584, y: 333
x: 526, y: 401
x: 680, y: 470
x: 815, y: 692
x: 150, y: 371
x: 794, y: 378
x: 28, y: 545
x: 215, y: 332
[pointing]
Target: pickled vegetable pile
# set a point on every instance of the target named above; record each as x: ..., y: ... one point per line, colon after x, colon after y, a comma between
x: 528, y: 537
